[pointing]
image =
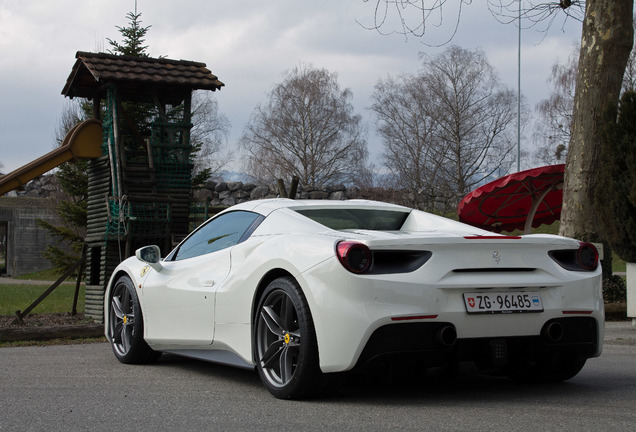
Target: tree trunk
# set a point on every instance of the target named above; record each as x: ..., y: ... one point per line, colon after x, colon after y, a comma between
x: 606, y: 42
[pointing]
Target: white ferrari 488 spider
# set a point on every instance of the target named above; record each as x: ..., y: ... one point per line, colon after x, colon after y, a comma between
x: 305, y: 290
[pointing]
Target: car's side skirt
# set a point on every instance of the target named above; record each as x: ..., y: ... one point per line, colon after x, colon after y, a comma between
x: 216, y: 356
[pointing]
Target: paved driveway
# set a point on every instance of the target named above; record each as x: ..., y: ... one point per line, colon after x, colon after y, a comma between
x: 83, y: 388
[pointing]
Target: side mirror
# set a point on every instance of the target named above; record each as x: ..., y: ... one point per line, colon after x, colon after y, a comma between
x: 151, y: 255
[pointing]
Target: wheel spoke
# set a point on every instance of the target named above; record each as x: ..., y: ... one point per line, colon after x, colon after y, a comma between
x: 272, y: 320
x: 126, y: 336
x: 116, y: 304
x: 286, y: 364
x: 117, y: 332
x: 272, y: 354
x: 295, y: 339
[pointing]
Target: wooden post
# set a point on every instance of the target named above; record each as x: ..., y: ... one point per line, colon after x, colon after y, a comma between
x: 79, y: 280
x: 97, y: 108
x: 294, y: 187
x: 282, y: 190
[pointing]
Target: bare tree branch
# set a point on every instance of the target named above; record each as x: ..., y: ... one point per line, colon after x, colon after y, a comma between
x: 210, y: 129
x: 414, y: 17
x: 447, y: 128
x: 537, y: 12
x: 307, y: 129
x: 417, y: 17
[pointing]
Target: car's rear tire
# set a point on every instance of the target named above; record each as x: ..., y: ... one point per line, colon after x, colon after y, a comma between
x: 285, y: 343
x: 126, y: 325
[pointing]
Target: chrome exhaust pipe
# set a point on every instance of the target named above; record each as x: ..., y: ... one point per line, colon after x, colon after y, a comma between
x: 553, y: 332
x: 446, y: 335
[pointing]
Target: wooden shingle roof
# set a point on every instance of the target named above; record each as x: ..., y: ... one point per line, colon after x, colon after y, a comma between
x: 137, y: 77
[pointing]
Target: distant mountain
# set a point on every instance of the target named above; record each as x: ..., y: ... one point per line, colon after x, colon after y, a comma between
x: 234, y: 176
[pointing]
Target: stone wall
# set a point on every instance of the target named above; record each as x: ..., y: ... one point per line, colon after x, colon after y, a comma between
x: 231, y: 193
x: 44, y: 186
x: 236, y: 192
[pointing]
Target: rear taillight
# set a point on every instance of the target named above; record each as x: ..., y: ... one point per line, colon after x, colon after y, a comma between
x: 355, y: 257
x: 587, y: 256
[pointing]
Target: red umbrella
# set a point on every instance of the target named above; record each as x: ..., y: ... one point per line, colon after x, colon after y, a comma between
x: 517, y: 201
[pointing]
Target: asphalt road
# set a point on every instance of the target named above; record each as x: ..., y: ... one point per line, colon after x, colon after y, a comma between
x: 83, y: 388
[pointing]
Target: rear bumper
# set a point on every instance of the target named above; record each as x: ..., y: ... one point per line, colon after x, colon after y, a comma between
x: 348, y: 310
x: 431, y: 345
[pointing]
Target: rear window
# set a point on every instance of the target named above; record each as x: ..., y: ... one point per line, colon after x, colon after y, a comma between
x: 361, y: 219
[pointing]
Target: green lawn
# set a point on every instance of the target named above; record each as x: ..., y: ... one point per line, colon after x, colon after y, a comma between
x: 15, y: 297
x: 44, y: 275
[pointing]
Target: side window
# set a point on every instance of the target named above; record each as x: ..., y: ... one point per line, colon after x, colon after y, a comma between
x: 219, y: 233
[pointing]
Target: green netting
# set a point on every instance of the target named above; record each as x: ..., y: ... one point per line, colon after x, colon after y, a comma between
x: 169, y: 143
x: 151, y: 159
x: 138, y: 220
x: 171, y: 154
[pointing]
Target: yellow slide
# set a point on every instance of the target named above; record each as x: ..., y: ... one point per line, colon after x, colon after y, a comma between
x: 83, y: 141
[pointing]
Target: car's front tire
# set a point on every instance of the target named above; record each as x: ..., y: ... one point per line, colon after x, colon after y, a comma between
x: 285, y: 343
x: 125, y: 325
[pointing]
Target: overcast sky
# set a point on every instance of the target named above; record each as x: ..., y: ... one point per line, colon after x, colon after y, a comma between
x: 248, y: 44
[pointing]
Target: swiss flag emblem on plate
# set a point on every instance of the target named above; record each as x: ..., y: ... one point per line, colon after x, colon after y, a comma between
x: 471, y: 302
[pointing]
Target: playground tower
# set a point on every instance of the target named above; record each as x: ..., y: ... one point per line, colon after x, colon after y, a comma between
x: 139, y: 188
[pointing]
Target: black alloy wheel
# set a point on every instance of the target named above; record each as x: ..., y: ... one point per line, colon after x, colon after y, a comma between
x: 285, y: 343
x: 125, y: 325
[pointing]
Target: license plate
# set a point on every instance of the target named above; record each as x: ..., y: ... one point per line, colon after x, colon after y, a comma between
x: 499, y: 302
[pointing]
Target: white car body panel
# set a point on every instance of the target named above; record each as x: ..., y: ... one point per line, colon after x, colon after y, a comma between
x: 179, y: 305
x: 207, y: 305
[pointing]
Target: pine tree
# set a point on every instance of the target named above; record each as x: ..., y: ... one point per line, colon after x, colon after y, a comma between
x: 73, y: 200
x: 133, y: 41
x: 72, y: 211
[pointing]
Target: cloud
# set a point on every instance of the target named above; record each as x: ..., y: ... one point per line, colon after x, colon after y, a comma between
x: 248, y: 44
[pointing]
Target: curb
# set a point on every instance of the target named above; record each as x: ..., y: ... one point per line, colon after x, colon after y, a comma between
x: 57, y: 332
